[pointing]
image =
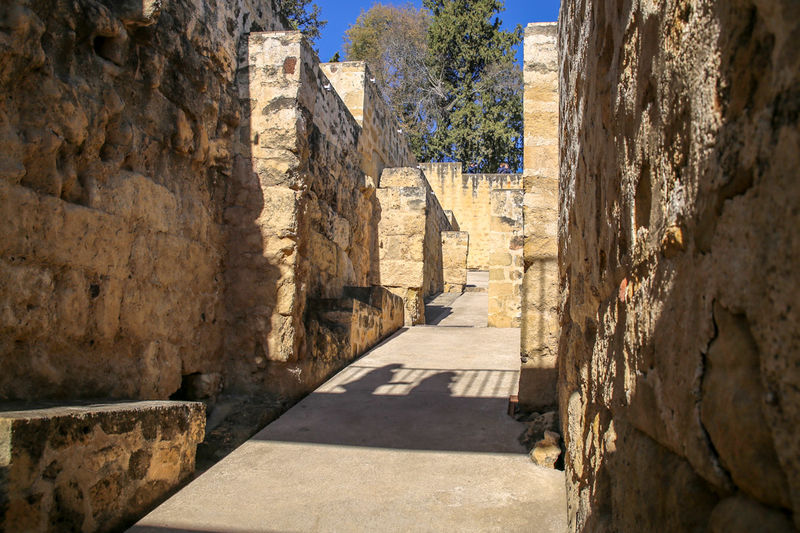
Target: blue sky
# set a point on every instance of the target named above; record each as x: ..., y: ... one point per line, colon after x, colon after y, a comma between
x: 341, y: 14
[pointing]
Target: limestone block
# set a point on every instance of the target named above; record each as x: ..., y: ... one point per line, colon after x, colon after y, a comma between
x: 505, y: 271
x: 399, y: 273
x: 402, y: 177
x: 455, y: 249
x: 93, y: 467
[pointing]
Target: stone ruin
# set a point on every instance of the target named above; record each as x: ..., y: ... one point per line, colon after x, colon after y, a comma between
x: 195, y: 207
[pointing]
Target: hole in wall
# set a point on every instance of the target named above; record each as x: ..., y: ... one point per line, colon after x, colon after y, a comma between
x: 643, y: 198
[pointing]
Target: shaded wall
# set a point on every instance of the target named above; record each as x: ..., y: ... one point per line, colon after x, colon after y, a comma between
x: 679, y: 350
x: 116, y: 126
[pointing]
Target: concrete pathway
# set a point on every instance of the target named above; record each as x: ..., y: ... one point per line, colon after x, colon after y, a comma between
x: 414, y: 436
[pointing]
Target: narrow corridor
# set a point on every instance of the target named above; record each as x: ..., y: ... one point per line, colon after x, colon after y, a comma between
x: 413, y: 436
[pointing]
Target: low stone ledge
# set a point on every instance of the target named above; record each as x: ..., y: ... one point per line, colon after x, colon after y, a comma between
x: 92, y: 467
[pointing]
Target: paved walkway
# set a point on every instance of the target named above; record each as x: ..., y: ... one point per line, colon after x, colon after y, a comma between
x: 413, y: 436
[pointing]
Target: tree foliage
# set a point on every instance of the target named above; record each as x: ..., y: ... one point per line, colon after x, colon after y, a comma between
x: 448, y: 72
x: 392, y: 41
x: 479, y: 112
x: 303, y: 17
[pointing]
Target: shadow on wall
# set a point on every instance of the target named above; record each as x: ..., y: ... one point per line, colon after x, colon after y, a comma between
x: 539, y: 370
x: 410, y: 408
x: 676, y: 368
x: 251, y: 272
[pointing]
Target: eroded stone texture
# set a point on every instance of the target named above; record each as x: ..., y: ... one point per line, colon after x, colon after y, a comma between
x: 455, y: 248
x: 468, y: 196
x: 505, y: 270
x: 680, y: 343
x: 382, y: 143
x: 539, y: 335
x: 93, y: 467
x: 116, y: 126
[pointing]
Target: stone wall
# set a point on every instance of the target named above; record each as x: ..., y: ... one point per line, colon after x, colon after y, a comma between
x: 505, y: 270
x: 302, y: 216
x: 116, y: 126
x: 678, y: 237
x: 382, y: 143
x: 468, y: 197
x: 455, y: 248
x: 539, y: 334
x: 411, y: 226
x: 93, y: 467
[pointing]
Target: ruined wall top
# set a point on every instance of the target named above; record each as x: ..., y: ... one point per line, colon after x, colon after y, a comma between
x: 383, y: 143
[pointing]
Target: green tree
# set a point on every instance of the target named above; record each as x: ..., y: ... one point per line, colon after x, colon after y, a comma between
x: 392, y: 40
x: 479, y: 112
x: 303, y: 17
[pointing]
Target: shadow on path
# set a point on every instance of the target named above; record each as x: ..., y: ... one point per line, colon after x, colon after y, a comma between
x: 398, y: 407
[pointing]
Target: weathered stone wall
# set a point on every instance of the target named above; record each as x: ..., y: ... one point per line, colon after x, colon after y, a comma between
x: 93, y: 468
x: 539, y: 334
x: 410, y: 229
x: 505, y: 270
x: 344, y: 328
x: 301, y: 212
x: 455, y: 248
x: 468, y: 197
x: 678, y: 242
x: 116, y: 125
x: 382, y: 143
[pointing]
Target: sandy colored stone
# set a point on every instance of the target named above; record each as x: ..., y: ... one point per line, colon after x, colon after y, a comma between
x: 547, y: 451
x: 468, y: 196
x: 93, y: 467
x: 539, y: 317
x: 677, y: 240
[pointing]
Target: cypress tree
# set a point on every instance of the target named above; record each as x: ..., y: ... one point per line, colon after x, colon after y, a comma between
x: 478, y: 113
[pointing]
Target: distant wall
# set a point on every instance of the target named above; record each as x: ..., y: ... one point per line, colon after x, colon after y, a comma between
x: 678, y: 247
x: 116, y: 134
x: 505, y: 270
x: 468, y: 197
x: 455, y: 247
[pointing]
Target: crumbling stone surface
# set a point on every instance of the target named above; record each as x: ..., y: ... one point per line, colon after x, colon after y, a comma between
x: 539, y: 320
x: 93, y: 467
x: 468, y: 196
x: 505, y: 270
x: 680, y: 339
x: 116, y: 126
